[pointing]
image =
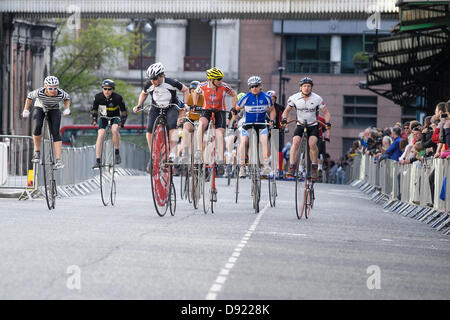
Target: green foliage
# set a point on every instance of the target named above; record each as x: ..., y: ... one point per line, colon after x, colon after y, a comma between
x: 80, y: 53
x: 360, y: 58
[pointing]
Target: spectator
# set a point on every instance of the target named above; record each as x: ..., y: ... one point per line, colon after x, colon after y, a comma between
x: 332, y: 173
x: 394, y: 152
x: 406, y: 130
x: 340, y: 174
x: 427, y: 136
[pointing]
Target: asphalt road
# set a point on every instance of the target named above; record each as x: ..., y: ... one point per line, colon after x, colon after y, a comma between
x: 348, y: 249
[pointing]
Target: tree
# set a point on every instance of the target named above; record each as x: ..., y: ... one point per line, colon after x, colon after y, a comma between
x: 79, y: 55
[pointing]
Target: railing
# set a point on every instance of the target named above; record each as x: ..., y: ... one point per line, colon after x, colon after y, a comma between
x: 408, y: 183
x: 135, y: 64
x: 197, y: 63
x: 323, y: 66
x: 15, y: 163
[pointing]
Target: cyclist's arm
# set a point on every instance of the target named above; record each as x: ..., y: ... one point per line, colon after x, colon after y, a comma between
x: 28, y: 104
x: 142, y: 97
x: 326, y: 114
x: 273, y: 114
x: 286, y: 112
x: 185, y: 92
x: 195, y: 97
x: 233, y: 95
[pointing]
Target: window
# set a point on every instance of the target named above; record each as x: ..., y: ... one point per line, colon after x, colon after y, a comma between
x: 148, y: 50
x: 308, y: 54
x: 198, y: 45
x: 360, y: 111
x: 350, y: 45
x: 408, y: 114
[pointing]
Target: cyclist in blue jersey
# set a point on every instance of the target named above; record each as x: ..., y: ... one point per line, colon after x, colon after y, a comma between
x: 256, y: 105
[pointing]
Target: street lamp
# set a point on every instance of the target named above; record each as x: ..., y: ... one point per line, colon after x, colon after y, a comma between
x: 143, y: 26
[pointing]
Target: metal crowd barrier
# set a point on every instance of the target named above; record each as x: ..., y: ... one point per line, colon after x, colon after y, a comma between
x: 15, y: 162
x: 407, y: 189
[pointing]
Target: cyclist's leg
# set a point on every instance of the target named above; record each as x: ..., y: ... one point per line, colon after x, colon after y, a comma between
x: 154, y: 112
x: 172, y: 119
x: 313, y: 149
x: 203, y: 124
x: 98, y: 144
x: 115, y: 135
x: 221, y: 124
x: 264, y: 138
x: 54, y: 118
x: 38, y: 120
x: 188, y: 129
x: 295, y: 145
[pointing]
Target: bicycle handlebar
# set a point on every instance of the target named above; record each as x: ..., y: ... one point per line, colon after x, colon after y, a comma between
x: 307, y: 124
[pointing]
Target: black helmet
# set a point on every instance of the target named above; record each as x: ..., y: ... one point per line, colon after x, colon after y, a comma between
x: 108, y: 83
x: 306, y: 80
x: 194, y: 84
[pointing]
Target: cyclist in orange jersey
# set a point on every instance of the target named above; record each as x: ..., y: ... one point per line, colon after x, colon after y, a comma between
x: 214, y: 91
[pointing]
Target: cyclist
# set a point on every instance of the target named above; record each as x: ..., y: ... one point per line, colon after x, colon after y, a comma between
x: 163, y: 92
x: 279, y: 111
x: 188, y: 126
x: 214, y: 91
x: 256, y: 105
x: 232, y: 136
x: 321, y: 145
x: 49, y: 96
x: 108, y: 103
x: 307, y: 104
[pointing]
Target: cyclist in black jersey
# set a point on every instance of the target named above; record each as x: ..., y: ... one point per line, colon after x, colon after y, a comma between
x: 108, y: 104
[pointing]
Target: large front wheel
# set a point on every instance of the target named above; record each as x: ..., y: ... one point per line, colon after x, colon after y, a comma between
x: 48, y: 161
x: 160, y: 170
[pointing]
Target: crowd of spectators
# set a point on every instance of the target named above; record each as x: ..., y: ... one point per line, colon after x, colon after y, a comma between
x: 410, y: 142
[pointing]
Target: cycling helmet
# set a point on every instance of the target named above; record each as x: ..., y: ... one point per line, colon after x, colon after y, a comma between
x: 306, y: 80
x: 155, y: 70
x: 214, y: 73
x: 108, y: 83
x: 254, y: 81
x: 272, y: 93
x: 240, y: 95
x: 194, y: 84
x: 51, y: 81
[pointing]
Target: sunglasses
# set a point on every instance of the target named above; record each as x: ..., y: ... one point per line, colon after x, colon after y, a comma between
x: 154, y: 78
x: 107, y: 89
x: 220, y: 79
x: 51, y: 89
x: 256, y: 86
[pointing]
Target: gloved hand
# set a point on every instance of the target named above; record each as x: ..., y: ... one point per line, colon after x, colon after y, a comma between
x: 234, y: 111
x: 25, y: 113
x: 283, y: 121
x: 122, y: 121
x: 66, y: 112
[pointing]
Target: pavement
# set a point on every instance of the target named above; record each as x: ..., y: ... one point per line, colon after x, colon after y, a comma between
x: 348, y: 249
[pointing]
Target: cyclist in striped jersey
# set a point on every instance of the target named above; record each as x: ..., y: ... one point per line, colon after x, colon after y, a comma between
x: 49, y: 97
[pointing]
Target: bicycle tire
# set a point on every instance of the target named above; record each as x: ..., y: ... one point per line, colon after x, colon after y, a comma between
x: 106, y: 172
x: 308, y: 197
x: 160, y: 172
x: 196, y: 182
x: 48, y: 160
x: 299, y: 191
x: 237, y: 186
x: 206, y: 177
x: 172, y: 200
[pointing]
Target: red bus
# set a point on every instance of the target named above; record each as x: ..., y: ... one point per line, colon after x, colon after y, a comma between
x: 80, y: 135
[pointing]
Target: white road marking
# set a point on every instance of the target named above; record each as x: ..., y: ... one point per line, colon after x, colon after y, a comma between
x: 225, y: 271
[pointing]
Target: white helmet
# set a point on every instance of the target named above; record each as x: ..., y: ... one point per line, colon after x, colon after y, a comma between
x: 155, y: 70
x: 51, y: 81
x: 254, y: 81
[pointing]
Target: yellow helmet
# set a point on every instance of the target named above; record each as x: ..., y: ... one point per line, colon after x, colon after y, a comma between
x: 214, y: 73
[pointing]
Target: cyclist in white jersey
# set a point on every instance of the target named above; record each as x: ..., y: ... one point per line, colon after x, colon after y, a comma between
x: 307, y: 104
